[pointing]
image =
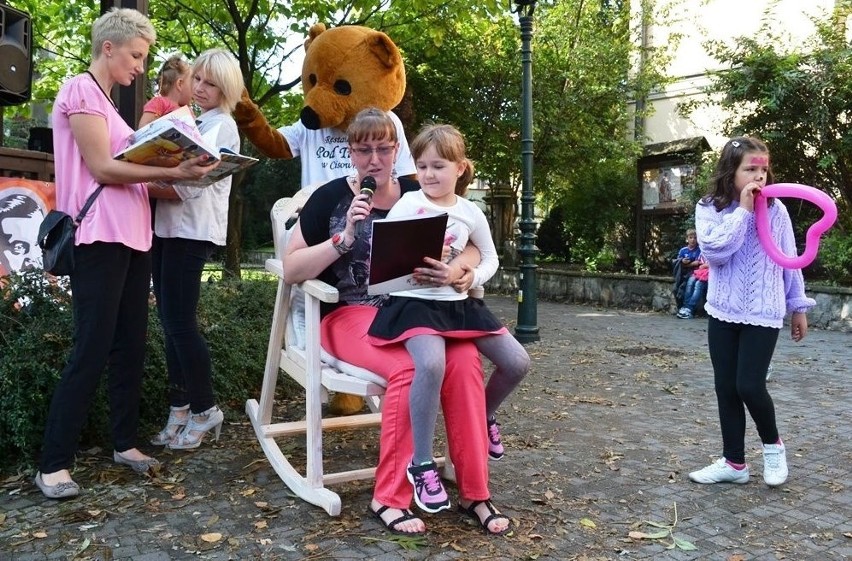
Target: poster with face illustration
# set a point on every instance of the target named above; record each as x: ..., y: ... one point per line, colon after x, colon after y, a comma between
x: 23, y: 205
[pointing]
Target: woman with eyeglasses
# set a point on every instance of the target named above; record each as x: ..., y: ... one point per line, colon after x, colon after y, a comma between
x: 324, y: 245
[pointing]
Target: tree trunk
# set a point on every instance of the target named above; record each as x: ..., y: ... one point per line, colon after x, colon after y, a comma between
x: 233, y: 247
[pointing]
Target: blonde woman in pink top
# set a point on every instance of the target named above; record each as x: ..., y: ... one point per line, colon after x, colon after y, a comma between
x: 110, y: 282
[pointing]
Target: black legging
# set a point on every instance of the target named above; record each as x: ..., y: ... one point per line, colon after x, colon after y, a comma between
x: 741, y: 355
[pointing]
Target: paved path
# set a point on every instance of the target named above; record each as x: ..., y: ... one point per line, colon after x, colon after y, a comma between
x: 619, y: 407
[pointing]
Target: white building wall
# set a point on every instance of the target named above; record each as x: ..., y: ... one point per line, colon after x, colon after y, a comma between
x: 700, y: 21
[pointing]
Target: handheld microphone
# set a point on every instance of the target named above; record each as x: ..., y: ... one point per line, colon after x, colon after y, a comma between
x: 368, y: 187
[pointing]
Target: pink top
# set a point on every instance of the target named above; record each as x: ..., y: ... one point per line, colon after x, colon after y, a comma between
x: 159, y: 106
x: 121, y: 213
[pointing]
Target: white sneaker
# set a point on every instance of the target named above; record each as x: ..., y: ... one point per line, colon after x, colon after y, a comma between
x: 720, y: 471
x: 774, y: 464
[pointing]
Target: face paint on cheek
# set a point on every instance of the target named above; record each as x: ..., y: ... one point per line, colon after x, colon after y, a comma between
x: 759, y: 161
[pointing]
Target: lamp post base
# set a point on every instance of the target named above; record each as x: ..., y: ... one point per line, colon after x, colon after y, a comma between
x: 526, y: 334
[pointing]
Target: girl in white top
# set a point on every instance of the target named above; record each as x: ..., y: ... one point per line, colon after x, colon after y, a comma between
x: 423, y: 318
x: 190, y: 223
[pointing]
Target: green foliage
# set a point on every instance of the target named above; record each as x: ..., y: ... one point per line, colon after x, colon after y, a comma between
x: 584, y: 159
x: 603, y: 260
x: 835, y: 255
x: 36, y: 339
x: 796, y: 98
x: 599, y: 213
x: 35, y: 335
x: 473, y: 82
x: 552, y: 238
x: 16, y: 131
x: 267, y: 182
x: 61, y: 45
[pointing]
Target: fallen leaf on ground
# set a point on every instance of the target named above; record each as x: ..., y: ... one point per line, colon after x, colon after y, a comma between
x: 636, y: 535
x: 212, y: 537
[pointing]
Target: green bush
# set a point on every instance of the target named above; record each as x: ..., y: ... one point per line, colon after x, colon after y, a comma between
x: 35, y: 335
x: 603, y: 261
x: 835, y: 255
x: 552, y: 239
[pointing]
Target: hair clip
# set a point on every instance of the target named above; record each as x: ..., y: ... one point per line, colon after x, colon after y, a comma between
x: 735, y: 143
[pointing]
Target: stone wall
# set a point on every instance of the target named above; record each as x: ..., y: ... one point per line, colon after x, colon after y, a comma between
x: 647, y: 292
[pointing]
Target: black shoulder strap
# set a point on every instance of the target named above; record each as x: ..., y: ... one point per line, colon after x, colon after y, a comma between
x: 88, y: 205
x: 108, y: 98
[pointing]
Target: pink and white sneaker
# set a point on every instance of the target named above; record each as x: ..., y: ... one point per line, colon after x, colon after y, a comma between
x: 429, y: 492
x: 495, y: 444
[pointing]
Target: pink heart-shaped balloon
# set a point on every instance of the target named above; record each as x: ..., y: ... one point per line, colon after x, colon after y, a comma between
x: 761, y: 218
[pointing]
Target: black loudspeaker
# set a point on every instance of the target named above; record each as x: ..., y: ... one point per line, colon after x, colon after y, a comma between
x: 41, y: 140
x: 16, y: 68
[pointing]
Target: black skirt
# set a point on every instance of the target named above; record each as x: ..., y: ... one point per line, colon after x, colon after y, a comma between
x: 401, y: 318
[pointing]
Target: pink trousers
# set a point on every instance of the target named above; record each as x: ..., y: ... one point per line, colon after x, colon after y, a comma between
x: 344, y: 335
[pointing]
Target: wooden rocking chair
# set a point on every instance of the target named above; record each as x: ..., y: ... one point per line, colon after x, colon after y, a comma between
x: 294, y: 347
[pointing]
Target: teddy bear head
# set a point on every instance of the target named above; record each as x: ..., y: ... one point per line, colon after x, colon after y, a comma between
x: 347, y: 69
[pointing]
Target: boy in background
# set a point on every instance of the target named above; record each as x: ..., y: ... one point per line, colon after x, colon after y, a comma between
x: 683, y: 265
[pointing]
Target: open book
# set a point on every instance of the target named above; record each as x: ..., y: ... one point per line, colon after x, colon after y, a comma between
x: 399, y: 246
x: 174, y: 137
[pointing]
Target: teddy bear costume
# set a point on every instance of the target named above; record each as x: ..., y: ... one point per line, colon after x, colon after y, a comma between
x: 346, y: 69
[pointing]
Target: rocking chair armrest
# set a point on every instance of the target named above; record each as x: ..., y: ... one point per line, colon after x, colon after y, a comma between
x: 321, y: 291
x: 276, y: 267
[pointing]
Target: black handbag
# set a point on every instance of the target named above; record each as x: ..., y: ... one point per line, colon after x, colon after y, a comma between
x: 56, y: 238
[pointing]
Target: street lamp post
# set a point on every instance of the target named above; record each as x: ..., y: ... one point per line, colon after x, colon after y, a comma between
x: 526, y: 331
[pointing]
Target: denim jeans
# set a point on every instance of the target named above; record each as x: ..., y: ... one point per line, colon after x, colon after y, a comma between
x: 693, y: 293
x: 177, y: 267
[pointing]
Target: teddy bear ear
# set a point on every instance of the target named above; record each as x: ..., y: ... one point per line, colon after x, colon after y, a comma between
x: 384, y: 50
x: 315, y: 30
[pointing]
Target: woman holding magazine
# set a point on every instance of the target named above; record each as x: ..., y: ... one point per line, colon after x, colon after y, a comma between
x: 190, y: 223
x: 110, y: 282
x: 326, y: 244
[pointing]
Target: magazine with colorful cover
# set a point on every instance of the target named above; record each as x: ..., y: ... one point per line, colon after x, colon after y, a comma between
x: 399, y: 246
x: 173, y: 138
